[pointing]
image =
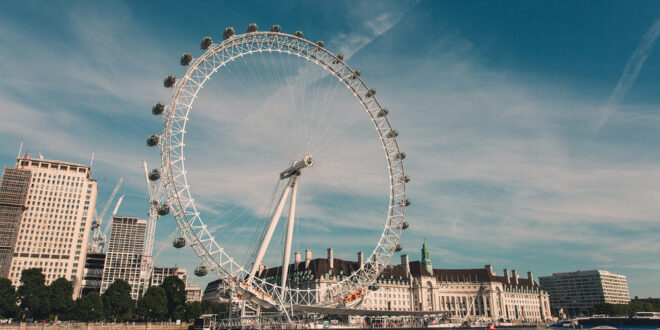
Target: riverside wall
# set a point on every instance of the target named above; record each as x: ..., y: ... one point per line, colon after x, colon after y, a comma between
x: 97, y: 326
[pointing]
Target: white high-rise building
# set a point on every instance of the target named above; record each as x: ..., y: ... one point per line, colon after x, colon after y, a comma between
x: 124, y: 257
x: 54, y: 229
x: 577, y: 292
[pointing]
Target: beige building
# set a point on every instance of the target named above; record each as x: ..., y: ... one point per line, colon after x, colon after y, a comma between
x: 124, y: 257
x: 55, y: 227
x: 193, y: 293
x: 577, y: 292
x: 460, y: 294
x: 159, y: 274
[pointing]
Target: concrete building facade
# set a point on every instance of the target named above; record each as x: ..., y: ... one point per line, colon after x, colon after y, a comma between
x: 123, y: 259
x: 576, y: 292
x: 54, y: 230
x: 193, y: 293
x: 13, y: 196
x: 159, y: 274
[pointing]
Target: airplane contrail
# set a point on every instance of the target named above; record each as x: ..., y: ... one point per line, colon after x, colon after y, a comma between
x: 629, y: 75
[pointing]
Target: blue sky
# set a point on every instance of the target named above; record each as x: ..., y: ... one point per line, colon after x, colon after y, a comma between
x: 531, y: 127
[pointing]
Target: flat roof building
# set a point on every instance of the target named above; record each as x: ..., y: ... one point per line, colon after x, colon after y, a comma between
x: 193, y: 293
x: 577, y: 292
x: 123, y: 259
x: 54, y: 230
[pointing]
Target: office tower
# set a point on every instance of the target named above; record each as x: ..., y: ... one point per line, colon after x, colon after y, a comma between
x: 123, y: 259
x: 577, y: 292
x: 54, y: 230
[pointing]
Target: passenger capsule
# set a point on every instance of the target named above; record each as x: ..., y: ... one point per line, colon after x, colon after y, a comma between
x: 201, y: 271
x: 206, y: 43
x: 164, y: 209
x: 404, y: 225
x: 355, y: 74
x: 320, y: 43
x: 404, y: 179
x: 252, y: 28
x: 393, y: 133
x: 152, y: 140
x: 275, y: 28
x: 169, y: 81
x: 383, y: 112
x: 338, y: 58
x: 405, y: 202
x: 371, y: 92
x: 298, y: 34
x: 154, y: 174
x: 374, y: 287
x: 186, y: 58
x: 228, y: 33
x: 398, y: 248
x: 158, y: 109
x: 400, y: 156
x: 179, y: 242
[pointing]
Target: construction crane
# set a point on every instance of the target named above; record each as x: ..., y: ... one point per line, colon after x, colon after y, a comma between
x: 98, y: 240
x: 156, y: 209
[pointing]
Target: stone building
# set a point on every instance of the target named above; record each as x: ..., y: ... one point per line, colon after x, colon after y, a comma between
x: 476, y: 294
x: 54, y: 230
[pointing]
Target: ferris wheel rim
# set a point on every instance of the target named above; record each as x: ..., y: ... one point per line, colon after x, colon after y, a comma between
x: 174, y: 173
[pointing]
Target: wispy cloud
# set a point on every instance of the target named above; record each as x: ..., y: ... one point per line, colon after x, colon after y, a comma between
x: 370, y: 21
x: 629, y: 75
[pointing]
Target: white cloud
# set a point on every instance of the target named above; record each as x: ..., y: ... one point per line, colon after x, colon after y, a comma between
x: 629, y: 75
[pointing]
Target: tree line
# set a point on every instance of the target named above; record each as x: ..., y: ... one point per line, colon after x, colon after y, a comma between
x: 37, y: 301
x: 625, y: 309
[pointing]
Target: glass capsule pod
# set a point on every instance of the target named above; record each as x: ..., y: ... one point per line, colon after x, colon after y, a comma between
x: 320, y: 43
x: 252, y: 28
x: 298, y: 34
x: 371, y: 92
x: 179, y: 242
x: 169, y: 81
x: 186, y: 58
x: 398, y: 248
x: 405, y: 202
x: 393, y: 133
x: 154, y: 174
x: 158, y: 109
x: 206, y: 43
x: 152, y: 140
x: 201, y: 270
x: 383, y: 112
x: 275, y: 28
x: 228, y: 33
x: 163, y: 209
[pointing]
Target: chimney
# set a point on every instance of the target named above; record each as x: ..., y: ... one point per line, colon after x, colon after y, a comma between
x: 361, y: 258
x: 298, y: 257
x: 506, y: 276
x: 405, y: 265
x: 331, y: 259
x: 308, y: 257
x: 489, y: 269
x: 515, y: 276
x: 530, y: 276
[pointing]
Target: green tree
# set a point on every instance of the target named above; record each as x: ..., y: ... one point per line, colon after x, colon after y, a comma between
x: 33, y: 294
x: 153, y: 305
x: 175, y: 291
x: 193, y: 310
x: 89, y: 308
x: 61, y: 301
x: 214, y: 307
x: 117, y: 301
x: 8, y: 299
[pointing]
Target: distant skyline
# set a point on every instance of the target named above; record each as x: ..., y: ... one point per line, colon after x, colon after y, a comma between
x: 531, y: 128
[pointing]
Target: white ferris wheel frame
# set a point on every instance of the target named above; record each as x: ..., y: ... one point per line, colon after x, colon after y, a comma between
x: 193, y: 229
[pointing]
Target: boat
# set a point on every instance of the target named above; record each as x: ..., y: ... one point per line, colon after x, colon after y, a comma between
x: 641, y: 320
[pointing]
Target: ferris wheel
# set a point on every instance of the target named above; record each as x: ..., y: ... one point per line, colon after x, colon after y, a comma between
x: 303, y: 79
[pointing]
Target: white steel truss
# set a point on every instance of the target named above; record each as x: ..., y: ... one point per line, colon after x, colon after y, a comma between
x: 193, y: 229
